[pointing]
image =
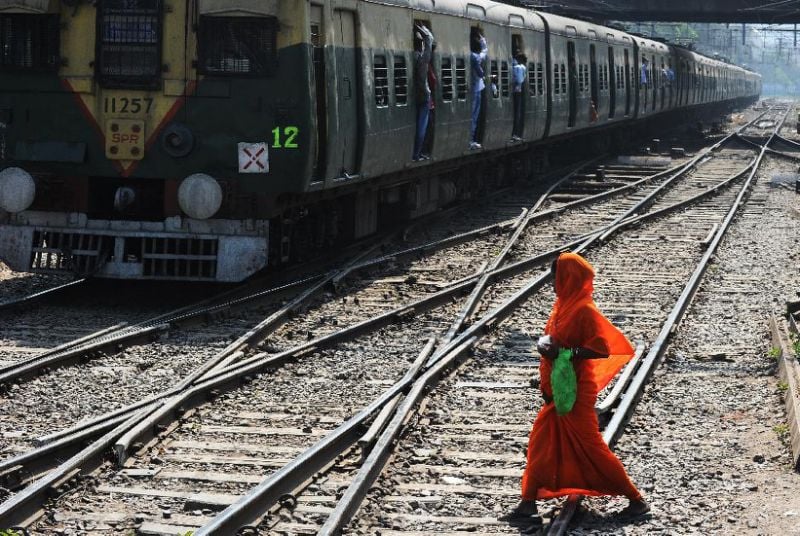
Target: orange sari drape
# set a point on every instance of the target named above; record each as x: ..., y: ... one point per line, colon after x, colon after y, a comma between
x: 567, y: 454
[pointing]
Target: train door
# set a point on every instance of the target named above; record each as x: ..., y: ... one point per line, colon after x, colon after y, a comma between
x: 320, y: 90
x: 344, y: 23
x: 612, y: 83
x: 519, y: 99
x: 573, y: 83
x: 474, y: 38
x: 628, y: 88
x: 663, y: 83
x: 594, y: 83
x: 687, y: 82
x: 654, y: 74
x: 642, y: 84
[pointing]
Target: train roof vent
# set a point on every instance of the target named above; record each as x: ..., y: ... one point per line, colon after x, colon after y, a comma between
x: 239, y: 8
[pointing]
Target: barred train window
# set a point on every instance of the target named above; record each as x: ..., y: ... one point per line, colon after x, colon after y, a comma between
x: 129, y: 42
x: 381, y: 76
x: 504, y: 79
x: 461, y: 79
x: 29, y: 42
x: 447, y: 79
x: 539, y: 78
x: 556, y: 78
x: 532, y: 80
x: 400, y: 81
x: 238, y: 45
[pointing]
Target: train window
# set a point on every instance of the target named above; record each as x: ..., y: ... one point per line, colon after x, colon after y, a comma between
x: 495, y: 82
x: 129, y: 43
x: 516, y: 45
x: 533, y: 80
x: 504, y: 80
x: 583, y: 75
x: 586, y: 83
x: 540, y: 78
x: 447, y: 79
x: 556, y: 79
x: 29, y: 42
x: 400, y: 81
x: 380, y: 74
x: 238, y: 45
x: 461, y: 79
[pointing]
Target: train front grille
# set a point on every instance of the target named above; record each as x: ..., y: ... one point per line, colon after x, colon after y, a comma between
x: 142, y: 257
x: 185, y: 258
x: 56, y: 251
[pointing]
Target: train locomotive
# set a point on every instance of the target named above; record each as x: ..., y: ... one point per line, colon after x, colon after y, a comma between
x: 208, y: 139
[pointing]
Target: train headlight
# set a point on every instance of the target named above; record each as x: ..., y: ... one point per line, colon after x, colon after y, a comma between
x: 17, y: 189
x: 200, y: 196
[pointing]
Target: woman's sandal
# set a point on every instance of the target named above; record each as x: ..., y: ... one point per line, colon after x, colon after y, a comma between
x: 634, y: 511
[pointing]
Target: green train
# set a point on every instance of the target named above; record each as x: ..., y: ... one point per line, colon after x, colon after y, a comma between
x: 209, y: 139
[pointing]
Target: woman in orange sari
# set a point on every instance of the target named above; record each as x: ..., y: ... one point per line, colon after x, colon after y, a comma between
x: 566, y: 453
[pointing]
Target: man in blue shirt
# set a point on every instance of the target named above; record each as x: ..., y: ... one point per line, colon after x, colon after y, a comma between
x: 422, y: 91
x: 520, y: 72
x: 479, y: 52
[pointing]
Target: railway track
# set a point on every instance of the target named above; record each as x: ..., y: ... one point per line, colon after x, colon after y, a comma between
x: 133, y: 373
x: 271, y: 426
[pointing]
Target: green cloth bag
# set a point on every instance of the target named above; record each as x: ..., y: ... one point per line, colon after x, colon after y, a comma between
x: 564, y: 382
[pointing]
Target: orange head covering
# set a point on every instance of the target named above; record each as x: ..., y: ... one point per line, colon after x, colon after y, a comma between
x: 576, y: 321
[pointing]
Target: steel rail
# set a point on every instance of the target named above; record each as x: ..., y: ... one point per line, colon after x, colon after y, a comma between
x: 787, y: 141
x: 319, y: 455
x: 36, y: 296
x: 24, y: 505
x: 115, y: 336
x: 611, y: 399
x: 770, y: 151
x: 624, y: 411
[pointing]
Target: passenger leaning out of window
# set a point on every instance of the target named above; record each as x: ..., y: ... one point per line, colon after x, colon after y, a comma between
x: 423, y: 52
x: 480, y: 49
x: 520, y: 73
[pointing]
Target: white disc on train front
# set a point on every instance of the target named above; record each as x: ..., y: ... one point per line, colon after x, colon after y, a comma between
x: 200, y: 196
x: 17, y: 189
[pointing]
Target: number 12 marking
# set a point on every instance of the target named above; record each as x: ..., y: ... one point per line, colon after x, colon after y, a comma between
x: 290, y: 134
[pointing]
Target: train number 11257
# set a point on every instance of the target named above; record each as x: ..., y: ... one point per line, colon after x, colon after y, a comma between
x: 126, y: 105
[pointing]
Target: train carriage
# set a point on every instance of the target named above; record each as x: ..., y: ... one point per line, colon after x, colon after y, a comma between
x: 207, y: 139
